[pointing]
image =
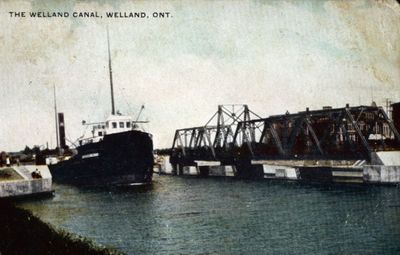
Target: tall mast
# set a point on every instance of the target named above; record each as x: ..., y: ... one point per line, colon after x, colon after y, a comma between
x: 55, y: 114
x: 110, y: 70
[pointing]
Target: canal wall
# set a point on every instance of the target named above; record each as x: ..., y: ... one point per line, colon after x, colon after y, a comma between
x: 383, y: 168
x: 33, y: 180
x: 381, y: 174
x: 387, y: 158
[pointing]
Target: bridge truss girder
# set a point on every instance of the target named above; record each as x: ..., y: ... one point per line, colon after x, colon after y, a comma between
x: 211, y: 140
x: 323, y: 133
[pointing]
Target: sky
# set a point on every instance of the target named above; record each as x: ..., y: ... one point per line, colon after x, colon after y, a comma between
x: 272, y: 55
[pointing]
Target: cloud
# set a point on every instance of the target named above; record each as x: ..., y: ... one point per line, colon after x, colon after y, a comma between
x: 273, y: 55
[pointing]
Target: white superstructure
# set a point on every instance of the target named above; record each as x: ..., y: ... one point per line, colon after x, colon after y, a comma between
x: 113, y: 124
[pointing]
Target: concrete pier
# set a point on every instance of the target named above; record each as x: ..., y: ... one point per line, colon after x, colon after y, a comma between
x: 190, y: 170
x: 383, y: 168
x: 162, y: 165
x: 28, y: 180
x: 276, y: 171
x: 222, y: 171
x: 214, y: 168
x: 381, y: 174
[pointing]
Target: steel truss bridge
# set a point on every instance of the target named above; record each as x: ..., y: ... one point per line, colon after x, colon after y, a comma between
x: 238, y: 133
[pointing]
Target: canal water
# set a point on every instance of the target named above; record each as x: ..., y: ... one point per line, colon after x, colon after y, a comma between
x: 191, y: 215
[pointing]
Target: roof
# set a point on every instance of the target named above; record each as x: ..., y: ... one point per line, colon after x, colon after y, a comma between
x: 119, y: 118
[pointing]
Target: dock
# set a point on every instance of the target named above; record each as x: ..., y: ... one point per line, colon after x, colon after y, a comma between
x: 25, y: 181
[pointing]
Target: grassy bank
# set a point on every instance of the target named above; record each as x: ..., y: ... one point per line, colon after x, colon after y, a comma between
x: 23, y: 233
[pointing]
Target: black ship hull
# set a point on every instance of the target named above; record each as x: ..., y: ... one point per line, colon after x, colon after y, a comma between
x: 119, y: 159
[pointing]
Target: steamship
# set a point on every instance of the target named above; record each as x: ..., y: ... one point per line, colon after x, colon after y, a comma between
x: 115, y: 153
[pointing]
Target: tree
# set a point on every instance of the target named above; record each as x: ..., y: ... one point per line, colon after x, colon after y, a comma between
x: 27, y: 150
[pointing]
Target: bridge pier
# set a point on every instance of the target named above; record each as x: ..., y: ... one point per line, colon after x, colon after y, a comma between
x: 214, y: 168
x: 190, y: 170
x: 274, y: 171
x: 245, y: 170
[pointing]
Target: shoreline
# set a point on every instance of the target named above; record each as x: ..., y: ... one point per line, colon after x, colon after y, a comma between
x: 23, y: 233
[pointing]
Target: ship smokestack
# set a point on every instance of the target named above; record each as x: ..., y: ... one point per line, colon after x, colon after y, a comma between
x: 61, y: 130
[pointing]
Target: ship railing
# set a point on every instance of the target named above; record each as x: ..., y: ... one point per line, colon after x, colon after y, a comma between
x: 90, y: 140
